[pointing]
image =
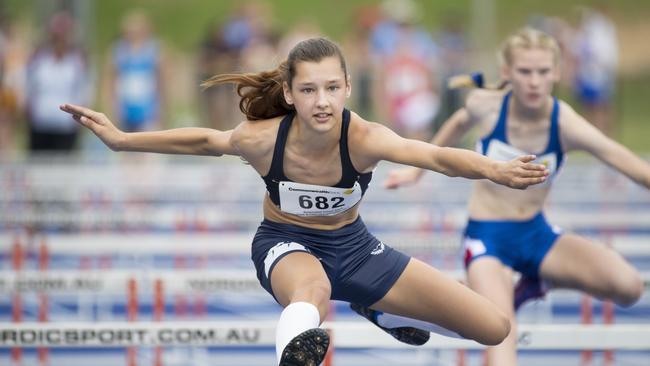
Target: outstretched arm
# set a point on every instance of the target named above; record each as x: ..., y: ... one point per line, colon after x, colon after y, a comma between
x: 190, y: 141
x: 385, y: 144
x: 579, y: 134
x: 449, y: 134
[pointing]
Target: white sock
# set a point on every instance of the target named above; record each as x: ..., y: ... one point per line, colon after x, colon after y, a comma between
x: 396, y: 321
x: 296, y: 318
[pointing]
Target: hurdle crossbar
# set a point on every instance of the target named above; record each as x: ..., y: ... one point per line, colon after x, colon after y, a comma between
x: 262, y: 333
x: 239, y: 243
x: 114, y: 280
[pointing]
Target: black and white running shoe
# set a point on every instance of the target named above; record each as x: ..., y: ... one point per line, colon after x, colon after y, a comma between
x: 408, y: 335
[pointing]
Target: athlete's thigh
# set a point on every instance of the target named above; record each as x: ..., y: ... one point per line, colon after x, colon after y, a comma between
x: 576, y: 262
x: 298, y: 271
x: 422, y: 292
x: 490, y: 278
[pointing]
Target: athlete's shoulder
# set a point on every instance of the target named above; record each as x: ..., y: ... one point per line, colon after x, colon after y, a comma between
x: 565, y: 109
x: 570, y: 121
x: 567, y: 116
x: 256, y: 136
x: 366, y: 140
x: 361, y: 129
x: 577, y: 133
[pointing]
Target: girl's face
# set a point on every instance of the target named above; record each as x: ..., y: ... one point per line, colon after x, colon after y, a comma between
x: 318, y: 92
x: 532, y: 74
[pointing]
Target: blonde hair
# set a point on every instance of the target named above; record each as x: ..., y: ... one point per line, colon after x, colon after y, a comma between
x: 528, y: 38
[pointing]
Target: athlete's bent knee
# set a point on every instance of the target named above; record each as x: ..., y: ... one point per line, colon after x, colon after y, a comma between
x: 497, y: 329
x: 317, y: 293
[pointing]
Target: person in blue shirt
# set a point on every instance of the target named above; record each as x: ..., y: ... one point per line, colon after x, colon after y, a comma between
x: 316, y: 159
x: 136, y: 75
x: 507, y: 229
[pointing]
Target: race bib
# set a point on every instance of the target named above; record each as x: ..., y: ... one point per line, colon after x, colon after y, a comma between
x: 498, y: 150
x: 313, y: 200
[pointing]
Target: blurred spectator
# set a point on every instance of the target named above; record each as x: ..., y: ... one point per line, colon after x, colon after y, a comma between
x: 244, y: 42
x: 596, y: 67
x: 217, y: 56
x: 357, y: 48
x: 8, y: 97
x: 57, y: 72
x: 303, y: 29
x: 453, y: 51
x: 259, y: 52
x: 136, y: 75
x: 407, y: 82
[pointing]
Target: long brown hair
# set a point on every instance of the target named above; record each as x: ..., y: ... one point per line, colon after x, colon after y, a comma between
x: 261, y: 93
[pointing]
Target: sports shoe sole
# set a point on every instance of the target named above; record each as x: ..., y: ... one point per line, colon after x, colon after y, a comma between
x: 306, y: 349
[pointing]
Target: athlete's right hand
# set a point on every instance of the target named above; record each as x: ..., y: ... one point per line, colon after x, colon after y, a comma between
x: 402, y: 177
x: 98, y: 123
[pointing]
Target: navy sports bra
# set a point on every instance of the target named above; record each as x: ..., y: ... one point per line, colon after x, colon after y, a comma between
x: 315, y: 200
x: 495, y: 145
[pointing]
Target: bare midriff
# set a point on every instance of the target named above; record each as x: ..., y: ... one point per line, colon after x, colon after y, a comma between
x: 489, y: 201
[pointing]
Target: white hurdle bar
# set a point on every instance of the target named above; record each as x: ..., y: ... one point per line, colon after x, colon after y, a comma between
x: 240, y: 243
x: 262, y: 333
x: 114, y: 281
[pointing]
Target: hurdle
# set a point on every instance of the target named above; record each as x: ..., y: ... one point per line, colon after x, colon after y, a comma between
x: 45, y: 281
x: 241, y: 281
x: 262, y: 333
x: 345, y: 335
x: 239, y: 243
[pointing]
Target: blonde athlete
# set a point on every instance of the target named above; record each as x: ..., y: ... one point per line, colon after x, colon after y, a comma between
x: 507, y: 229
x: 316, y: 159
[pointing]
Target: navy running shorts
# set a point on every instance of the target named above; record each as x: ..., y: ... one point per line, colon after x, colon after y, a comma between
x: 360, y: 268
